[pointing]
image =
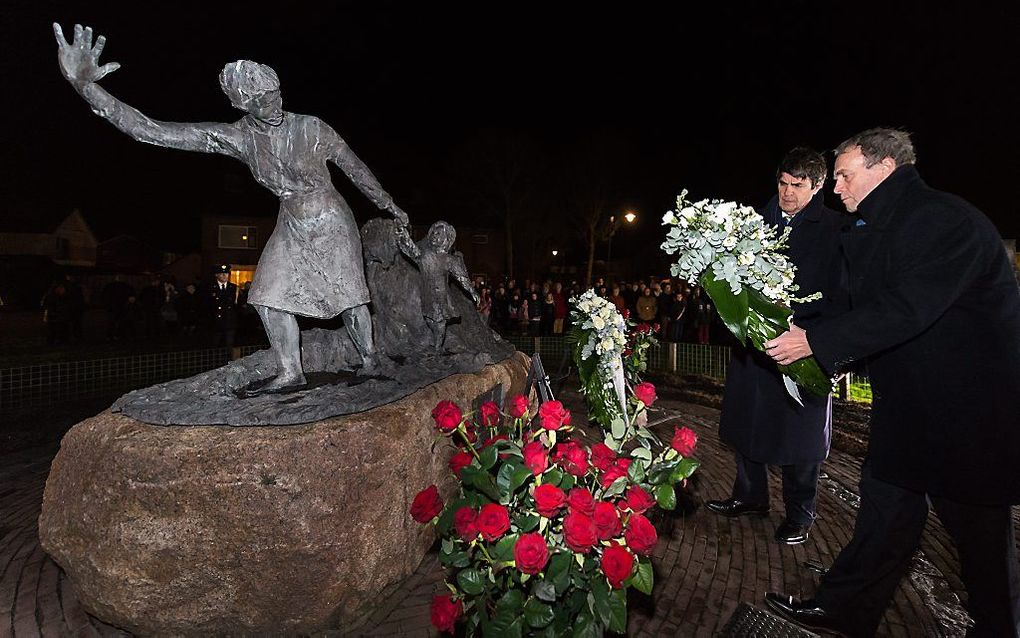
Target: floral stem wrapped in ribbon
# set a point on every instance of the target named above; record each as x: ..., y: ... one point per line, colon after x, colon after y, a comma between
x: 738, y: 261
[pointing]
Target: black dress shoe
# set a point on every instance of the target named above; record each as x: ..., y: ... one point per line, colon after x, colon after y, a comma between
x: 792, y: 533
x: 806, y: 613
x: 732, y: 507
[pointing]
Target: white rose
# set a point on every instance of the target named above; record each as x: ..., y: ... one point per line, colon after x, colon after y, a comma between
x: 669, y: 217
x: 598, y: 322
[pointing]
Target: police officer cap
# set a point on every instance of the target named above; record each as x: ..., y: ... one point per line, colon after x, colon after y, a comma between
x: 221, y: 268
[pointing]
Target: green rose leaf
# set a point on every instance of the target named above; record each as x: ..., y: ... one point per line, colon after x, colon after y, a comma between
x: 504, y: 549
x: 601, y: 607
x: 568, y: 482
x: 511, y: 601
x: 480, y: 480
x: 538, y: 614
x: 519, y: 477
x: 641, y: 453
x: 471, y: 581
x: 488, y: 457
x: 553, y: 477
x: 643, y: 579
x: 616, y: 488
x: 619, y: 428
x: 618, y: 617
x: 456, y: 559
x: 665, y: 496
x: 503, y: 624
x: 732, y: 309
x: 505, y: 472
x: 636, y: 471
x: 660, y: 472
x: 684, y: 470
x: 585, y: 627
x: 544, y: 590
x: 558, y: 572
x: 527, y: 523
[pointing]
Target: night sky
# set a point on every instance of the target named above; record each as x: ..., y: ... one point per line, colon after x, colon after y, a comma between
x: 649, y: 101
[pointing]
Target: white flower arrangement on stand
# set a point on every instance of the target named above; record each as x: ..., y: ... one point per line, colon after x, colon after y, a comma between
x: 738, y: 261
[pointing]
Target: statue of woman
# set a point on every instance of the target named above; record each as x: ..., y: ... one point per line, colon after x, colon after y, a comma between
x: 312, y: 264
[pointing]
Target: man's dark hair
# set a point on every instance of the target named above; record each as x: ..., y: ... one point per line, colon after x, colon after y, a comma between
x: 879, y: 143
x: 804, y: 163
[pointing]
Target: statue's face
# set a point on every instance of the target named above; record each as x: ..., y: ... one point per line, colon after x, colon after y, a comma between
x: 267, y: 107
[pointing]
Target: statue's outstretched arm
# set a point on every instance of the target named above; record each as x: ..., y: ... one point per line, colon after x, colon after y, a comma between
x: 79, y: 63
x: 357, y: 172
x: 406, y: 245
x: 460, y: 273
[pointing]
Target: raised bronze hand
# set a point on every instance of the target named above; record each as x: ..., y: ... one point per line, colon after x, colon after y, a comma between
x: 79, y: 60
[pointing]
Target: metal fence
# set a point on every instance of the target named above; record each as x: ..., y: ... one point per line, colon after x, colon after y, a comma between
x: 36, y: 386
x: 42, y: 385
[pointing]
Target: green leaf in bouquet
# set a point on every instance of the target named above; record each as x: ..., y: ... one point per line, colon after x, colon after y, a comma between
x: 481, y: 480
x: 568, y: 482
x: 617, y: 488
x: 538, y: 614
x: 618, y: 605
x: 683, y: 470
x: 544, y: 590
x: 618, y: 428
x: 504, y: 549
x: 732, y: 308
x: 447, y: 545
x: 488, y: 457
x: 776, y: 315
x: 558, y: 572
x: 445, y: 521
x: 512, y: 601
x: 807, y: 373
x: 665, y: 496
x: 660, y: 472
x: 505, y: 472
x: 455, y: 559
x: 471, y: 581
x: 502, y: 624
x: 636, y: 471
x: 642, y: 453
x: 527, y: 523
x: 601, y: 607
x: 553, y: 477
x: 643, y: 579
x: 585, y: 627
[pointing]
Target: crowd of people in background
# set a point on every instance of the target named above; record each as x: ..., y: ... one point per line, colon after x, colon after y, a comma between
x: 682, y: 312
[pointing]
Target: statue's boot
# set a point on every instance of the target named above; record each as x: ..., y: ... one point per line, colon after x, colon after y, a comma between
x: 280, y: 384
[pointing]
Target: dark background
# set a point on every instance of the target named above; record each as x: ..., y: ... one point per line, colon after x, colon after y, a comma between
x: 636, y: 101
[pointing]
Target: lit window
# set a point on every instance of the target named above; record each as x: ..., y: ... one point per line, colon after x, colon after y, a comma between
x: 238, y: 236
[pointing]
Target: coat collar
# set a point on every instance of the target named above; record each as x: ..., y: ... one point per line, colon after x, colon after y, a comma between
x: 878, y: 207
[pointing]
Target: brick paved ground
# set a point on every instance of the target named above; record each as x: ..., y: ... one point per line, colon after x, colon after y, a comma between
x: 705, y: 565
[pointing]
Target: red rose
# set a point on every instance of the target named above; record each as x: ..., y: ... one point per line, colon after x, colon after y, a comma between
x: 445, y: 612
x: 447, y: 416
x: 643, y: 328
x: 602, y: 456
x: 426, y: 505
x: 459, y: 461
x: 464, y: 522
x: 552, y: 415
x: 645, y: 393
x: 639, y: 500
x: 579, y: 532
x: 549, y: 499
x: 626, y: 314
x: 531, y: 553
x: 580, y: 500
x: 607, y: 521
x: 641, y: 535
x: 619, y: 469
x: 493, y: 521
x: 572, y: 457
x: 493, y: 439
x: 489, y: 413
x: 684, y: 440
x: 656, y: 327
x: 536, y: 457
x: 519, y: 406
x: 617, y: 564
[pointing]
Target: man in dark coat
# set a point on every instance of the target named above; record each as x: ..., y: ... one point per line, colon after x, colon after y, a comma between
x: 936, y: 316
x: 223, y: 306
x: 760, y: 421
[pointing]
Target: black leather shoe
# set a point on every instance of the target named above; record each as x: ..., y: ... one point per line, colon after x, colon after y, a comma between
x: 732, y: 507
x: 806, y: 613
x: 792, y: 533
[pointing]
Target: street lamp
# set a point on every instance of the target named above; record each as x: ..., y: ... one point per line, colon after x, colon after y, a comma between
x: 614, y: 225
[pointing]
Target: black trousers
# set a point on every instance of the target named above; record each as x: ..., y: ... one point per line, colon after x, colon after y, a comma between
x: 888, y: 529
x: 800, y: 485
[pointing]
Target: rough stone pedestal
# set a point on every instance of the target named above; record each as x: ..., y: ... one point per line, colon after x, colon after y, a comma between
x: 254, y: 530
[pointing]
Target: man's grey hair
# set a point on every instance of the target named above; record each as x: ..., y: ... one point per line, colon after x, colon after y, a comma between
x: 879, y: 143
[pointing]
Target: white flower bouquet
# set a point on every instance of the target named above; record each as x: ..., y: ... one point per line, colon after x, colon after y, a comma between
x: 599, y: 336
x: 738, y: 261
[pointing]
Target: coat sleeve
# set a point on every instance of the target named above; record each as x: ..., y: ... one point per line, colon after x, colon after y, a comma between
x: 928, y: 271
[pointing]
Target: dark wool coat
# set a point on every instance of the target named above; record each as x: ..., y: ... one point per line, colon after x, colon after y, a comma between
x: 759, y: 418
x: 936, y: 315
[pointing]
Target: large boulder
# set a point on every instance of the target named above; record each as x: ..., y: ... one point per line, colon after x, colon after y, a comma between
x: 263, y: 530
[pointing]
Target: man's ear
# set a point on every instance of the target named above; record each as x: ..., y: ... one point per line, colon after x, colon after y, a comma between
x: 889, y: 163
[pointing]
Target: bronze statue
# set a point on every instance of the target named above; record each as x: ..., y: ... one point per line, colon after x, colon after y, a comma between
x: 312, y: 264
